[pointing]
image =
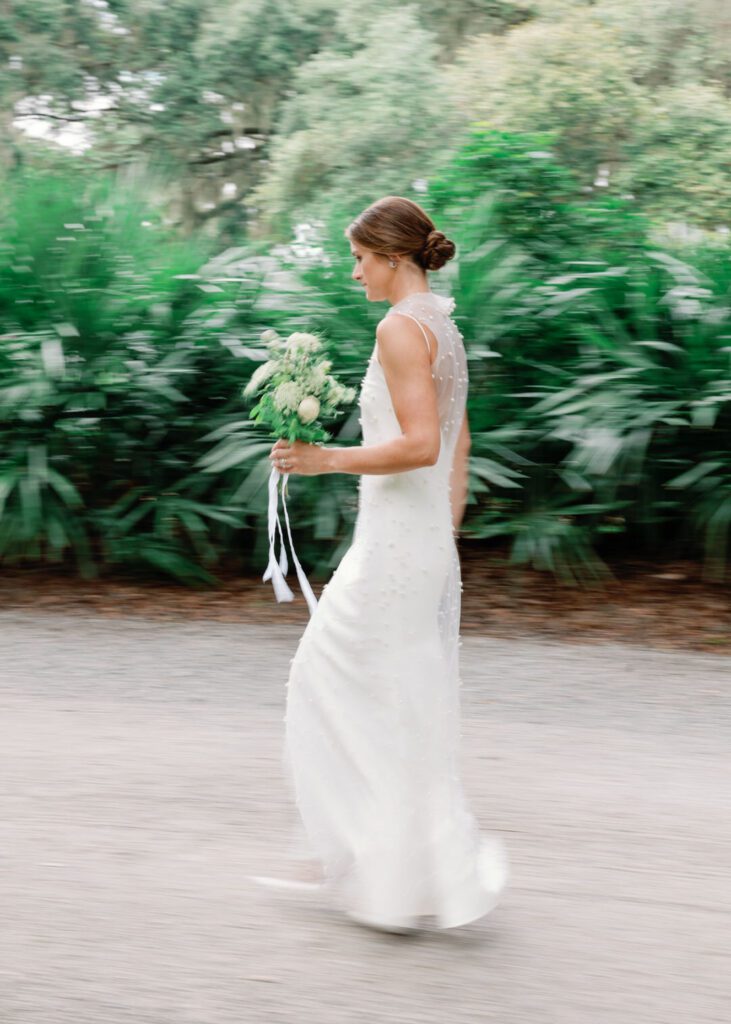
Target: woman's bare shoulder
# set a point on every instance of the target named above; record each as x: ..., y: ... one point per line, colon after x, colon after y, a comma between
x: 397, y: 330
x: 401, y: 341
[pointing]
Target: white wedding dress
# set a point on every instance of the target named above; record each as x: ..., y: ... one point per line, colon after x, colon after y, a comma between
x: 372, y: 720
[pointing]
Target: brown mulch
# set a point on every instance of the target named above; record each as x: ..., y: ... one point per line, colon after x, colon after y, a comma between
x: 666, y: 606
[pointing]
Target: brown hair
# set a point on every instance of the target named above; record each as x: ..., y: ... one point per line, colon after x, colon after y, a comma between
x: 397, y: 225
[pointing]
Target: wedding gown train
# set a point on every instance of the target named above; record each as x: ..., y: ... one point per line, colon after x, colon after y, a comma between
x: 372, y: 720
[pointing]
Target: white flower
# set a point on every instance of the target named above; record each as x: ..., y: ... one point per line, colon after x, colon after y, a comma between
x: 268, y: 336
x: 335, y: 392
x: 318, y: 375
x: 260, y: 374
x: 301, y: 343
x: 308, y: 409
x: 338, y: 394
x: 287, y: 396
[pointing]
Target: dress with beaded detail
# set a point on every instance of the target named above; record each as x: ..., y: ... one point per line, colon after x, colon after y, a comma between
x: 372, y: 720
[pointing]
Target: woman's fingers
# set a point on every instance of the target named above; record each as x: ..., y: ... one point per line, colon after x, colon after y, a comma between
x: 281, y: 444
x: 297, y: 457
x: 281, y: 455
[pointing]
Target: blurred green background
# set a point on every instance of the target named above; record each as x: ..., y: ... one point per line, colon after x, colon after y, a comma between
x: 176, y: 176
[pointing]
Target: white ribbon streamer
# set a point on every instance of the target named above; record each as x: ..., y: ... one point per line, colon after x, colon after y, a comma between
x: 277, y: 570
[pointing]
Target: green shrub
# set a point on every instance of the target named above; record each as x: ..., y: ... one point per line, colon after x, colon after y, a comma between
x: 111, y: 361
x: 599, y: 378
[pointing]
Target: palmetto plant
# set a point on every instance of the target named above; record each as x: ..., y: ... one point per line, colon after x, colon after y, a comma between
x: 38, y: 508
x: 312, y: 293
x: 112, y: 361
x: 645, y: 395
x: 593, y: 383
x: 595, y: 377
x: 598, y: 404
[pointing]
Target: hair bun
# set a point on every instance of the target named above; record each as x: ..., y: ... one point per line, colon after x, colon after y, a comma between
x: 437, y: 250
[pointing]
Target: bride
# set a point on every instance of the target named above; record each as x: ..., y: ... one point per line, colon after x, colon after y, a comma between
x: 372, y: 721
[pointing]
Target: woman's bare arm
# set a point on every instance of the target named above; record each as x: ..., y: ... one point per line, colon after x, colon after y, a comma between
x: 406, y: 364
x: 460, y: 474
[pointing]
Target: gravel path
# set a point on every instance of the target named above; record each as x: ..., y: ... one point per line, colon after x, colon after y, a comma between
x: 140, y: 783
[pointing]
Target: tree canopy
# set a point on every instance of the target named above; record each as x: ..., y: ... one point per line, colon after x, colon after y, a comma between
x: 257, y: 113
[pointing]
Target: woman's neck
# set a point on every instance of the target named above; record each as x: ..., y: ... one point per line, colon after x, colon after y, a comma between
x: 411, y: 286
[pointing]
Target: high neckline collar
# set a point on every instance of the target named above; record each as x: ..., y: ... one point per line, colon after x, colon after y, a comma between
x: 443, y: 302
x: 411, y: 295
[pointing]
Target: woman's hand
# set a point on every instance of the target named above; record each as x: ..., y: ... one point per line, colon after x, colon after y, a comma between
x: 299, y: 457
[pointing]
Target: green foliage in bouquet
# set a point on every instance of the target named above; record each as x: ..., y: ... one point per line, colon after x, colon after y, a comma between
x: 298, y: 391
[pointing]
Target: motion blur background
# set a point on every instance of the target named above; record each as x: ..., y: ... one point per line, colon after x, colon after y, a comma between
x: 176, y: 177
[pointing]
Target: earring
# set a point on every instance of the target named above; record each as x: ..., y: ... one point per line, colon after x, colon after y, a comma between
x: 393, y: 264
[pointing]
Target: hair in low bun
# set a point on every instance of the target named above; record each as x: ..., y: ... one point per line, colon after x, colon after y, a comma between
x: 398, y: 225
x: 437, y: 250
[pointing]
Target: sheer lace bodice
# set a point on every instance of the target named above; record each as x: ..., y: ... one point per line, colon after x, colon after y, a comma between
x: 449, y: 369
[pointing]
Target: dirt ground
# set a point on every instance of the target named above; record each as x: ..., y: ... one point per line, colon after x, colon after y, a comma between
x: 664, y: 606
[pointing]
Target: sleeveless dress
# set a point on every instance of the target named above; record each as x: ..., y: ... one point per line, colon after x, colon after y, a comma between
x: 372, y: 720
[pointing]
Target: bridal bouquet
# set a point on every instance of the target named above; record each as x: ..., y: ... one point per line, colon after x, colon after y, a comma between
x: 296, y: 390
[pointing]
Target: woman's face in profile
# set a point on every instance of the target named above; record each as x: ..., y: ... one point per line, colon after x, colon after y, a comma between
x: 372, y: 271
